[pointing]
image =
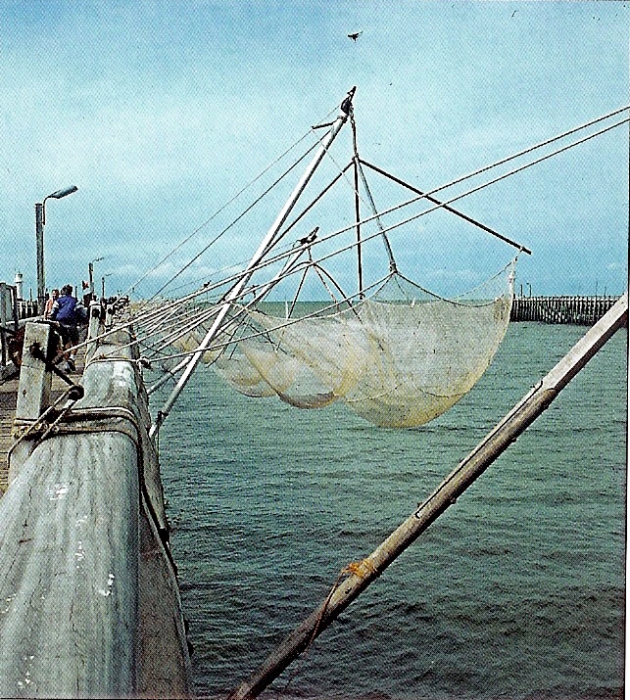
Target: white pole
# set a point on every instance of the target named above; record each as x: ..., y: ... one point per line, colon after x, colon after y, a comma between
x: 248, y: 271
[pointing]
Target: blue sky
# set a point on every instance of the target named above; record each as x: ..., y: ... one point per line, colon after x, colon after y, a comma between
x: 160, y: 110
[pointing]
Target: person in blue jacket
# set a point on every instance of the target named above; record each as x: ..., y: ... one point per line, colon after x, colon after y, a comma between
x: 66, y: 314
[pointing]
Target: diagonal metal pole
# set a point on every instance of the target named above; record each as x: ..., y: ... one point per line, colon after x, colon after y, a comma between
x: 263, y: 248
x: 499, y: 439
x: 446, y: 207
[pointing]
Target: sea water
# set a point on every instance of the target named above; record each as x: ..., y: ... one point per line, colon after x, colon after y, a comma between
x: 517, y: 591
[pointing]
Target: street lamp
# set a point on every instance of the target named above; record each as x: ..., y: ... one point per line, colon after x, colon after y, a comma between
x: 40, y: 220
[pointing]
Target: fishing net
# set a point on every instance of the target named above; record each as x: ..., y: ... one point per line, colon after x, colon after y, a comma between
x: 398, y: 359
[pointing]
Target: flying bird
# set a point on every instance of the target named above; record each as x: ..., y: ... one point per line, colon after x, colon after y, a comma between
x: 355, y: 35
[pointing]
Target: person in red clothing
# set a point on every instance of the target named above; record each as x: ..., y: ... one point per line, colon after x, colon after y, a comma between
x: 64, y: 311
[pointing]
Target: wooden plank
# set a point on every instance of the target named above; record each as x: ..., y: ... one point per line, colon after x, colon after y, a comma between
x: 35, y: 379
x: 69, y: 556
x: 8, y: 400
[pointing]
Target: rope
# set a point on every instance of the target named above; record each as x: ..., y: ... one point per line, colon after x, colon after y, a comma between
x: 218, y: 211
x: 458, y: 181
x: 289, y: 322
x: 390, y: 253
x: 265, y: 192
x: 331, y: 307
x: 442, y: 204
x: 338, y: 232
x: 233, y: 223
x: 71, y: 395
x: 362, y: 569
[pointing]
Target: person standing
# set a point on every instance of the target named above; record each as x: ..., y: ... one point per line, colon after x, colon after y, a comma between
x: 65, y: 313
x: 49, y: 303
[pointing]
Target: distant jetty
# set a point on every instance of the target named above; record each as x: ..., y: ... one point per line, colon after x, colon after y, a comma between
x: 578, y: 310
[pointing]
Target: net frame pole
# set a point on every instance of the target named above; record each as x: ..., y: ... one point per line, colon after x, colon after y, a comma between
x: 452, y: 210
x: 263, y: 248
x: 357, y: 211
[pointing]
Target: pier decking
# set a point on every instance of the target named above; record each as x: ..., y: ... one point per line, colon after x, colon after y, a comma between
x: 8, y: 400
x: 578, y: 310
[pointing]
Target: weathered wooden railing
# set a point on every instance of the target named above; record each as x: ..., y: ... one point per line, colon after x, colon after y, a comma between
x: 89, y: 601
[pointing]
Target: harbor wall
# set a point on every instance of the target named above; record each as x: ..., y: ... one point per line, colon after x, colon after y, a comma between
x: 578, y: 310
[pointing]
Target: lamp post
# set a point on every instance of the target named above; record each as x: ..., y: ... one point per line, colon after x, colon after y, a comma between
x: 40, y: 221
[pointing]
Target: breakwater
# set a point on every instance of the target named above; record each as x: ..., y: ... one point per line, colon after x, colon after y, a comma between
x: 578, y: 310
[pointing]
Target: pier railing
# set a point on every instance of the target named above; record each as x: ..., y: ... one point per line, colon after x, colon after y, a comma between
x: 90, y: 599
x: 578, y: 310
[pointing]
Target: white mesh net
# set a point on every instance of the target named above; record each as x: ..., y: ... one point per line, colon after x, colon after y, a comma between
x: 398, y: 359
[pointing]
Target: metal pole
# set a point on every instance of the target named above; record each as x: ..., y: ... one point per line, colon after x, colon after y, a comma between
x: 361, y: 574
x: 357, y: 212
x: 266, y: 243
x: 39, y: 242
x: 40, y: 220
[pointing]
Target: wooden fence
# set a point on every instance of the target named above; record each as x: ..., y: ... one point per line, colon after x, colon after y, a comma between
x: 579, y: 310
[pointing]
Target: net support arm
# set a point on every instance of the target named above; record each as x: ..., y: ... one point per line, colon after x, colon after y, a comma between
x: 494, y: 444
x: 263, y: 248
x: 447, y: 207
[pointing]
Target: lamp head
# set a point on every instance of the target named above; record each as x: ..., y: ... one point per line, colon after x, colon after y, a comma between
x: 64, y: 192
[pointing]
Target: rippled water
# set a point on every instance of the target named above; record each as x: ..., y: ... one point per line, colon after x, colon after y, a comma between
x: 517, y: 591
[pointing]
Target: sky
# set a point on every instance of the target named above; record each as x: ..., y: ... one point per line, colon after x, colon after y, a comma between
x: 159, y: 111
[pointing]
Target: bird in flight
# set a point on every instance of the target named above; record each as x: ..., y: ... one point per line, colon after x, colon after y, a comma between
x: 355, y: 35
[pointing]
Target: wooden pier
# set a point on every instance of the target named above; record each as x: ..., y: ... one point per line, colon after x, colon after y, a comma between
x: 578, y: 310
x: 91, y: 604
x: 8, y: 401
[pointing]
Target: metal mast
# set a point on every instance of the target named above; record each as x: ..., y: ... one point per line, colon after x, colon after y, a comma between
x: 191, y: 364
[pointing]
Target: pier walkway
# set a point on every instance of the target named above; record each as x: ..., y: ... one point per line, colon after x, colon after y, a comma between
x: 8, y: 402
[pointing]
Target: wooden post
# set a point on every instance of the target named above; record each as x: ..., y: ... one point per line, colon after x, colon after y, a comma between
x: 506, y: 432
x: 94, y: 321
x: 35, y: 378
x: 95, y: 328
